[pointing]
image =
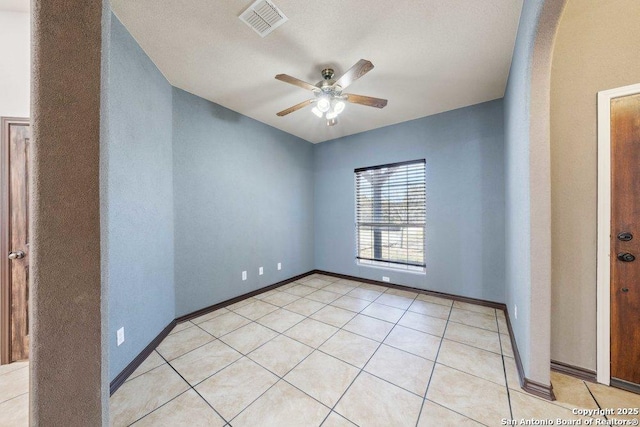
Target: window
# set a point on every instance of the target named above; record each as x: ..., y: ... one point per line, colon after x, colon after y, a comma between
x: 390, y: 215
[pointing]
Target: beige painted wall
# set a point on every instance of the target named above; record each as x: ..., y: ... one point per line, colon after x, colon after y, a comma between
x: 596, y: 49
x: 15, y: 45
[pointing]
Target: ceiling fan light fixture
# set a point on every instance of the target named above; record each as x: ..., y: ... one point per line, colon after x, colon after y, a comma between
x: 329, y: 99
x: 324, y: 105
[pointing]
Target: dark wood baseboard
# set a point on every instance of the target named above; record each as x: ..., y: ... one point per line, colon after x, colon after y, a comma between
x: 574, y: 371
x: 537, y: 389
x: 131, y: 367
x: 476, y: 301
x: 529, y: 386
x: 533, y: 387
x: 222, y: 304
x: 625, y: 385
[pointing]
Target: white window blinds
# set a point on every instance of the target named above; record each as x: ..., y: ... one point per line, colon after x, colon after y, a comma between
x: 390, y: 214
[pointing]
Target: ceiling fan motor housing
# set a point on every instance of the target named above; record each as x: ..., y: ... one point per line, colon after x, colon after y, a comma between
x: 328, y: 73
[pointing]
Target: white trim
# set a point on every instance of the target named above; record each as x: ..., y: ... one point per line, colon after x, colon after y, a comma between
x: 390, y: 266
x: 603, y: 277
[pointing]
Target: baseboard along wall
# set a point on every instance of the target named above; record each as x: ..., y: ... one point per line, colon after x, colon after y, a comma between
x: 537, y: 389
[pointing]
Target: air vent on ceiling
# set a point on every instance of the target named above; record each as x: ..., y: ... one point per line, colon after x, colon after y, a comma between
x: 263, y: 17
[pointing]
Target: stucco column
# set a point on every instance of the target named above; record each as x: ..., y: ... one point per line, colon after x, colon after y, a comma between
x: 66, y: 314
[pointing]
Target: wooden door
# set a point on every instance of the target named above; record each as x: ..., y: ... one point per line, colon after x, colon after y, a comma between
x: 625, y: 240
x: 15, y: 232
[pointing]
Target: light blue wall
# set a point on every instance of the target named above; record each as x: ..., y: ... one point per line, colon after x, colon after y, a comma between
x: 243, y: 199
x: 517, y: 191
x: 137, y: 200
x: 465, y: 199
x: 196, y: 193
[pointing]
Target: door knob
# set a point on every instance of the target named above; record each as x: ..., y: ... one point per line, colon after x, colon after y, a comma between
x: 625, y: 236
x: 626, y: 257
x: 16, y: 255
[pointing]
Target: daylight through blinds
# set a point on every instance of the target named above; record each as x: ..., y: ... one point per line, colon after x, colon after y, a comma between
x: 390, y: 213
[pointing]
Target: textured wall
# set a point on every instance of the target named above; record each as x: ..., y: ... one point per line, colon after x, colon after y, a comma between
x: 527, y: 184
x: 138, y: 200
x: 15, y: 69
x: 243, y: 196
x: 65, y: 298
x: 465, y: 199
x: 595, y: 50
x: 516, y: 157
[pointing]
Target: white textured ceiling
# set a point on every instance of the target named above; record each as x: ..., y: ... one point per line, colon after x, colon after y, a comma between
x: 430, y: 56
x: 15, y: 5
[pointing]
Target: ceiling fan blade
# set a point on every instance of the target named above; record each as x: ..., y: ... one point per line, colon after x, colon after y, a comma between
x: 361, y: 68
x: 296, y: 107
x: 296, y: 82
x: 365, y: 100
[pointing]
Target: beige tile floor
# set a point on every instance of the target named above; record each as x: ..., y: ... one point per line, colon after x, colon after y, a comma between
x: 14, y: 394
x: 332, y: 352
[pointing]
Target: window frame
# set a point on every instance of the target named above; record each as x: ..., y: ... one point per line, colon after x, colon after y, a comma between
x: 408, y: 267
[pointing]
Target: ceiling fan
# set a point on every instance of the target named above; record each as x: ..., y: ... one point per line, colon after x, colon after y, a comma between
x: 329, y: 100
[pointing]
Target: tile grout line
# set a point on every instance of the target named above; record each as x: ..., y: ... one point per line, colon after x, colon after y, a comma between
x: 476, y: 348
x: 433, y: 369
x: 354, y: 314
x: 367, y: 362
x: 458, y: 370
x: 196, y: 391
x: 193, y: 349
x: 277, y: 307
x: 237, y: 360
x: 237, y: 351
x: 341, y: 328
x: 504, y: 368
x: 594, y: 399
x: 282, y: 333
x: 360, y: 369
x: 338, y: 415
x: 473, y: 346
x: 234, y: 349
x: 190, y: 387
x: 155, y: 409
x: 478, y: 377
x: 278, y: 376
x: 357, y: 367
x: 13, y: 372
x: 282, y: 378
x: 14, y: 397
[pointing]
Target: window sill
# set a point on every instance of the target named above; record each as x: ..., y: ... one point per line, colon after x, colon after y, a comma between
x: 389, y: 266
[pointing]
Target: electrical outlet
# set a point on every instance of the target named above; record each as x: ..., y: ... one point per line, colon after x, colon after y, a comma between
x: 385, y: 279
x: 120, y: 336
x: 279, y: 266
x: 244, y: 275
x: 261, y: 271
x: 515, y: 312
